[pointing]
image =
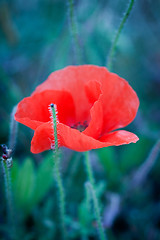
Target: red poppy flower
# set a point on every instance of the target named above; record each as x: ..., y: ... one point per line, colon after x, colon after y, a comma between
x: 91, y: 102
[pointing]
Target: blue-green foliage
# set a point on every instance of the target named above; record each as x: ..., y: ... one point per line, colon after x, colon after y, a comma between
x: 30, y: 184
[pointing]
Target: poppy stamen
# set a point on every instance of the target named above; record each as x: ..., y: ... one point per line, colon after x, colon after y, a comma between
x: 80, y: 126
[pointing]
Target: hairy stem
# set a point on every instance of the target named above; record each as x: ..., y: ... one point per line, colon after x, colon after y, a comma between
x: 57, y: 172
x: 96, y: 211
x: 13, y: 129
x: 91, y: 187
x: 9, y: 199
x: 88, y: 198
x: 115, y: 40
x: 89, y: 169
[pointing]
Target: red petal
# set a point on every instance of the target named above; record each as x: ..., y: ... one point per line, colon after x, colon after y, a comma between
x: 75, y: 140
x: 96, y: 124
x: 73, y: 79
x: 120, y: 102
x: 42, y: 139
x: 93, y: 90
x: 78, y: 141
x: 70, y: 79
x: 119, y: 137
x: 33, y: 111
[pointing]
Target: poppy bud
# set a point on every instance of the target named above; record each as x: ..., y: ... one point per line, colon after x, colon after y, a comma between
x: 4, y: 148
x: 4, y: 156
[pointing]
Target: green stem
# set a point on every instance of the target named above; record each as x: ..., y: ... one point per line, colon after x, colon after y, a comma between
x: 91, y: 187
x: 96, y: 211
x: 9, y: 199
x: 89, y: 169
x: 61, y: 196
x: 13, y: 129
x: 112, y: 50
x: 58, y: 174
x: 88, y: 199
x: 74, y: 32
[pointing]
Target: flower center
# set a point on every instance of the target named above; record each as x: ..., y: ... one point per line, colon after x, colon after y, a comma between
x: 80, y: 126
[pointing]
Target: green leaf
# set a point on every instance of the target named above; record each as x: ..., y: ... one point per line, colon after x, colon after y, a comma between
x: 44, y: 178
x: 84, y: 216
x: 30, y: 185
x: 100, y: 188
x: 111, y: 167
x: 24, y: 185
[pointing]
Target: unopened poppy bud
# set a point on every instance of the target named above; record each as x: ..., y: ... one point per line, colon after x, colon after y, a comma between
x: 4, y: 156
x: 4, y: 148
x: 6, y: 152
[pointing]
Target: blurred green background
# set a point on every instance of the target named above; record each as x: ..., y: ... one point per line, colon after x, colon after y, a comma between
x: 35, y: 39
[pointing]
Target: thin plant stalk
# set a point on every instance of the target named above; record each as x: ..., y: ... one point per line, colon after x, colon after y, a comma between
x: 88, y: 198
x: 6, y: 168
x: 89, y: 169
x: 57, y: 172
x: 115, y: 40
x: 96, y: 211
x: 9, y: 198
x: 13, y: 129
x: 91, y: 187
x: 74, y: 31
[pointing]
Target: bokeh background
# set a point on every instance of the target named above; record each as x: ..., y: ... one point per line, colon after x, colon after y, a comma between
x: 36, y: 39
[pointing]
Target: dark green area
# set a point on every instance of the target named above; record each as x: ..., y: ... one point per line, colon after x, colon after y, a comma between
x: 35, y: 40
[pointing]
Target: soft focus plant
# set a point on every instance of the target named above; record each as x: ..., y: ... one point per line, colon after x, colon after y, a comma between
x: 112, y: 191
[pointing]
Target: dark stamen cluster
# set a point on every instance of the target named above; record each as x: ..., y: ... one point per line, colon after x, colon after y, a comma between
x: 80, y: 126
x: 6, y: 156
